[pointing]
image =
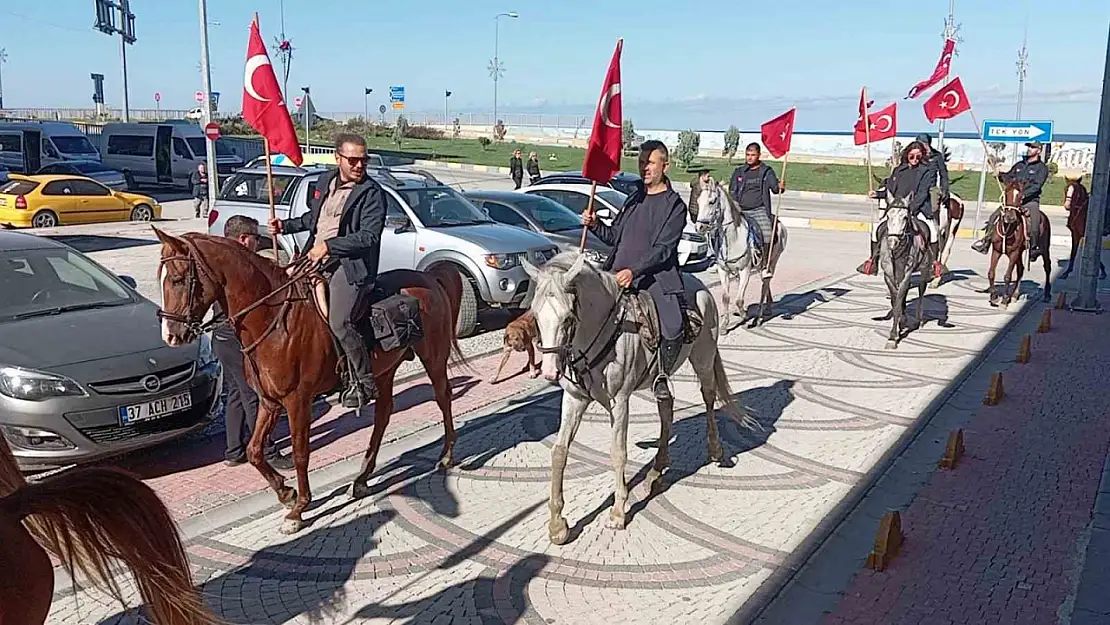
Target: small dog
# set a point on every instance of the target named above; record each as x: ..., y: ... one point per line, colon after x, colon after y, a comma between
x: 519, y: 337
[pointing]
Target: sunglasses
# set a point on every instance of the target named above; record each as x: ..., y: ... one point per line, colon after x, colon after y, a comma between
x: 914, y: 157
x: 354, y: 160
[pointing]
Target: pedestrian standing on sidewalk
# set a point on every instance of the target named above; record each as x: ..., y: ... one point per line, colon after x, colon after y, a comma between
x: 516, y: 169
x: 533, y: 168
x: 198, y: 180
x: 242, y: 400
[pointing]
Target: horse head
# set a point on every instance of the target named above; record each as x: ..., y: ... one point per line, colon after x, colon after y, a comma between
x: 1074, y: 192
x: 713, y: 207
x: 189, y: 288
x: 1012, y: 195
x: 898, y: 216
x: 555, y: 305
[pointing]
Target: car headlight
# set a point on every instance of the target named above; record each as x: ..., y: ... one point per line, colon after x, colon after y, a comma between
x: 205, y: 355
x: 694, y: 237
x: 502, y: 261
x: 31, y: 385
x: 595, y: 256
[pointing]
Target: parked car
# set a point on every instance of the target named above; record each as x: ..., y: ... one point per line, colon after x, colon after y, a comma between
x: 539, y: 214
x: 84, y: 373
x: 4, y: 171
x: 48, y: 201
x: 624, y: 182
x: 426, y: 224
x: 161, y: 154
x: 693, y: 247
x: 26, y: 146
x: 111, y: 178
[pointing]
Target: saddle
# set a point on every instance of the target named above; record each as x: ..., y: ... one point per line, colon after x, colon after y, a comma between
x: 641, y: 305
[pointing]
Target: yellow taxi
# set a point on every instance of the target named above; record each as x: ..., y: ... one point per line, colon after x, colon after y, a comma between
x: 52, y: 200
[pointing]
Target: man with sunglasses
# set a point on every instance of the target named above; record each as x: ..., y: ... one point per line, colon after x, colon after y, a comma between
x: 345, y: 224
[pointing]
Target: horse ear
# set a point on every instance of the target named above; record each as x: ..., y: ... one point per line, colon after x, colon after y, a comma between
x: 167, y: 239
x: 530, y: 269
x: 576, y: 268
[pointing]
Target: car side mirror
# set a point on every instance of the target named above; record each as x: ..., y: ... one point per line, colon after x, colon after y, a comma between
x: 398, y: 223
x: 604, y: 213
x: 129, y: 281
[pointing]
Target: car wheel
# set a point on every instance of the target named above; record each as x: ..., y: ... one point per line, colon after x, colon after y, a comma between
x: 44, y: 219
x: 142, y: 212
x: 129, y: 180
x: 468, y: 309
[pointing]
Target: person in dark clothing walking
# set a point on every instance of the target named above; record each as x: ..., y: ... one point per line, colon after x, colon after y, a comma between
x: 241, y: 407
x: 346, y: 223
x: 1034, y: 172
x: 751, y: 187
x: 533, y: 168
x: 516, y: 169
x: 910, y: 176
x: 644, y: 237
x: 198, y: 181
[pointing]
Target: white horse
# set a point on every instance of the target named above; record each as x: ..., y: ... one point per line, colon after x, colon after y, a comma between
x: 728, y: 232
x: 591, y: 341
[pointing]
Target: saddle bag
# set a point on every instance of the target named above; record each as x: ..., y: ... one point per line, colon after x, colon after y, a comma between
x: 395, y: 322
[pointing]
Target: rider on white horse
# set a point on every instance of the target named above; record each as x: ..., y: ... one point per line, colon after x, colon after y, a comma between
x: 909, y: 179
x: 751, y: 187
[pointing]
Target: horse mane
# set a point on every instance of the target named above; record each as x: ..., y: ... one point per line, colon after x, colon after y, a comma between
x: 268, y: 267
x: 561, y: 263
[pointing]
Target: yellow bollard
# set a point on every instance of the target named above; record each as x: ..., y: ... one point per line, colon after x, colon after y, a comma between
x: 995, y: 393
x: 953, y: 451
x: 888, y: 541
x: 1024, y: 349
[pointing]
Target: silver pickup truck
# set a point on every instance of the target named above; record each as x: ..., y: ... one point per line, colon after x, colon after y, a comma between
x: 426, y: 224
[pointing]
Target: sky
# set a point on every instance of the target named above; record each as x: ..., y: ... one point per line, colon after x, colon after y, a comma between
x: 704, y: 65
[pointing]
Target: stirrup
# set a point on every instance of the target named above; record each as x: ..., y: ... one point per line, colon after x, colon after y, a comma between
x: 661, y: 388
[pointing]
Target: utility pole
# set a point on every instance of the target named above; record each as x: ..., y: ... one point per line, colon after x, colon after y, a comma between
x: 106, y: 23
x: 366, y: 104
x: 3, y: 59
x: 283, y: 49
x: 1022, y: 66
x: 951, y: 31
x: 1091, y: 253
x: 206, y: 107
x: 495, y: 68
x: 305, y: 106
x: 446, y: 94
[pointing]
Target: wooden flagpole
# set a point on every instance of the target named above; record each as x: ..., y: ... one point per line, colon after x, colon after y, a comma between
x: 270, y: 189
x: 589, y: 211
x: 769, y: 270
x: 867, y: 137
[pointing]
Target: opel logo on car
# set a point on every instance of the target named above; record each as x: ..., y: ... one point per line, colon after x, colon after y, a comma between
x: 151, y: 383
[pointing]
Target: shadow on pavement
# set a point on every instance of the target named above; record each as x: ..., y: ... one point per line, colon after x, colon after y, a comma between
x: 87, y: 243
x: 794, y: 304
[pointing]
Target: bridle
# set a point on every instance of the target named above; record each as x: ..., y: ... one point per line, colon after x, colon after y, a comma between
x: 578, y: 362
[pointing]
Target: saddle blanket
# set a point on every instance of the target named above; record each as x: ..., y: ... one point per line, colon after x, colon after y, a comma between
x: 642, y: 307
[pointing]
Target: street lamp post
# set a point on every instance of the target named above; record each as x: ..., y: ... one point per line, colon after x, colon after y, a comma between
x: 366, y: 105
x: 495, y: 66
x: 3, y: 59
x: 446, y: 94
x: 106, y: 18
x: 206, y: 106
x: 307, y: 120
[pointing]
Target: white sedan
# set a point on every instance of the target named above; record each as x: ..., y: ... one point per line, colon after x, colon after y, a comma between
x: 693, y: 247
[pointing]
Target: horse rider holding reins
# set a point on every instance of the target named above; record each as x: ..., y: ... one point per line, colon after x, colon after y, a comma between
x: 910, y: 178
x: 751, y: 187
x: 1034, y: 173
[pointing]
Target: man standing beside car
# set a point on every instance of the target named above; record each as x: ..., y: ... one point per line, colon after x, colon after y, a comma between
x: 198, y: 180
x: 241, y: 407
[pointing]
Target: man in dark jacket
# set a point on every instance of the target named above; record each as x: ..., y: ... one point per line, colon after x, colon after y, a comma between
x: 1034, y: 172
x: 644, y: 237
x: 911, y: 176
x: 241, y: 406
x: 937, y: 170
x: 516, y: 169
x: 751, y: 187
x: 198, y: 181
x: 346, y: 223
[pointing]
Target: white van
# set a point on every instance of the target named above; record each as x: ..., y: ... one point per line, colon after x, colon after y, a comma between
x: 160, y: 154
x: 26, y: 147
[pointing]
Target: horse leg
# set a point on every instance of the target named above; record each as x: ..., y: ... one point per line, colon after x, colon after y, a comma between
x: 572, y: 411
x: 1047, y: 276
x: 726, y: 299
x: 618, y: 456
x: 992, y: 273
x: 740, y: 291
x: 1014, y: 264
x: 263, y: 425
x: 442, y: 387
x: 922, y: 284
x: 383, y: 410
x: 663, y: 453
x: 300, y: 418
x: 1075, y: 238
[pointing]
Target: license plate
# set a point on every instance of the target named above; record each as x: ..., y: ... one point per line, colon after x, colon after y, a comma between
x: 155, y: 409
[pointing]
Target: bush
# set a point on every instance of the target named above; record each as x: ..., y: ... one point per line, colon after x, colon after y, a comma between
x: 400, y: 129
x: 424, y: 132
x: 456, y: 129
x: 732, y: 143
x: 687, y: 149
x: 1054, y: 168
x: 484, y: 142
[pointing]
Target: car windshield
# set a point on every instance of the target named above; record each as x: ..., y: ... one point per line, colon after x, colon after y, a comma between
x: 73, y: 144
x: 441, y: 206
x: 614, y: 198
x: 52, y: 281
x: 551, y: 215
x: 199, y: 146
x: 90, y: 167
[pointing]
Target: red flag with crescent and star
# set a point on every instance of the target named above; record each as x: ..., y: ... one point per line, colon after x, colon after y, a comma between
x: 778, y: 133
x: 940, y: 72
x: 263, y: 106
x: 884, y: 125
x: 948, y: 102
x: 603, y: 155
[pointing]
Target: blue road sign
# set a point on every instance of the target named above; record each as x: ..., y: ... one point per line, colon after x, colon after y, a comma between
x: 1016, y: 131
x: 397, y: 94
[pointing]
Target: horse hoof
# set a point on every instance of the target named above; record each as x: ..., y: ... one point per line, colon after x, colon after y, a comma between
x: 892, y: 344
x: 289, y: 499
x: 445, y: 463
x: 558, y: 531
x: 291, y: 526
x: 359, y: 490
x: 616, y: 521
x: 716, y: 453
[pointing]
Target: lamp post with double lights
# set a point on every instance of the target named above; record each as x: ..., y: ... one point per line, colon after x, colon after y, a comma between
x: 495, y: 68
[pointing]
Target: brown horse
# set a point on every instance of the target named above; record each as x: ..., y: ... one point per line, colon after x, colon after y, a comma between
x: 290, y: 352
x: 87, y: 518
x: 949, y: 216
x: 1009, y: 239
x: 1076, y: 200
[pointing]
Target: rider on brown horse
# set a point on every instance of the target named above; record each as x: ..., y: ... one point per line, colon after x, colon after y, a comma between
x: 911, y: 178
x: 345, y: 223
x: 1033, y: 171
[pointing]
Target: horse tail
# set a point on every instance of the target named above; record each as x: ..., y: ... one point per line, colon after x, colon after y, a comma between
x: 88, y: 517
x: 452, y: 283
x: 731, y: 406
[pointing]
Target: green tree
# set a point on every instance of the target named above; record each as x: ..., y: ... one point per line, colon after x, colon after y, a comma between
x: 687, y: 149
x: 399, y: 130
x: 628, y: 134
x: 732, y: 142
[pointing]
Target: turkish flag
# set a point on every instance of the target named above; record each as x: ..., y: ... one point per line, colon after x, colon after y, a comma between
x: 864, y: 103
x: 884, y: 125
x: 603, y: 154
x: 948, y: 102
x: 778, y: 133
x: 263, y: 107
x: 939, y: 72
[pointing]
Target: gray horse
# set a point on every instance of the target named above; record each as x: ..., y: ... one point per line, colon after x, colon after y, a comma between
x: 728, y: 231
x: 904, y: 250
x: 592, y: 343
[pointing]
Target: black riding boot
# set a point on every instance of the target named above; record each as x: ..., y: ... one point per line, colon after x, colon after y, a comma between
x: 870, y: 267
x: 666, y: 359
x: 361, y: 388
x: 984, y: 244
x: 1034, y: 244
